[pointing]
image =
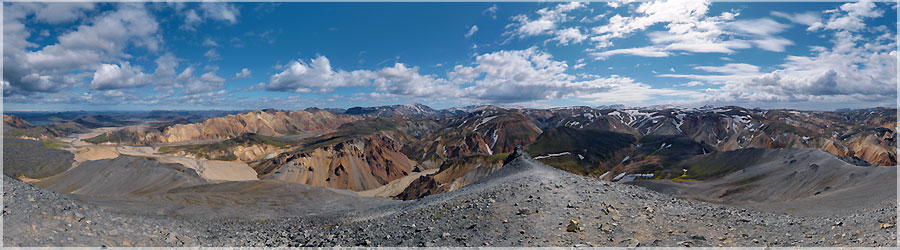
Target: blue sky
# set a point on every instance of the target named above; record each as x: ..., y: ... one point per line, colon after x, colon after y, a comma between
x: 135, y: 56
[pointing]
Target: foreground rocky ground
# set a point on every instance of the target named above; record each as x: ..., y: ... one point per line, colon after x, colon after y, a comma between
x: 523, y: 204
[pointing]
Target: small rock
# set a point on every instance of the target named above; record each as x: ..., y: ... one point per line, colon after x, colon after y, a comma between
x: 573, y: 226
x: 886, y: 226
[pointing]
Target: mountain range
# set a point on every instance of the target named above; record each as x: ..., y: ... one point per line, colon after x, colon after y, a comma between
x: 367, y: 147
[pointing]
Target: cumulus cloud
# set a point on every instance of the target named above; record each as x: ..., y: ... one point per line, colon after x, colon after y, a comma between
x: 619, y: 3
x: 317, y: 75
x: 210, y: 42
x: 852, y: 70
x: 532, y: 75
x: 681, y: 16
x: 546, y: 23
x: 56, y: 13
x: 689, y: 28
x: 569, y: 35
x: 627, y: 91
x: 190, y: 84
x: 300, y: 77
x: 86, y: 48
x: 852, y: 17
x: 243, y: 74
x: 111, y: 76
x: 215, y: 11
x: 212, y: 55
x: 503, y: 77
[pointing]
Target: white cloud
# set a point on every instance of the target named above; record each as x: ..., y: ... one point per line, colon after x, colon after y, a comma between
x: 727, y: 72
x: 523, y: 76
x: 688, y: 28
x: 209, y: 81
x: 111, y: 76
x: 776, y: 44
x: 852, y: 70
x: 56, y: 13
x: 85, y: 48
x: 761, y: 26
x: 300, y: 77
x: 546, y: 23
x: 212, y: 55
x: 806, y: 18
x: 618, y: 3
x: 516, y: 76
x: 216, y: 11
x: 406, y: 81
x: 210, y: 42
x: 567, y: 35
x: 731, y: 68
x: 679, y: 14
x: 243, y: 74
x: 492, y: 11
x: 691, y: 84
x: 472, y: 31
x: 852, y: 18
x: 643, y: 51
x: 220, y: 12
x: 626, y: 91
x: 761, y: 33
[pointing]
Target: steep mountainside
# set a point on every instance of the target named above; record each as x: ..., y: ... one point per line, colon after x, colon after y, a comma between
x: 275, y: 123
x: 30, y: 159
x: 471, y: 145
x: 582, y: 117
x: 588, y: 151
x: 124, y: 175
x: 12, y: 121
x: 453, y: 174
x: 247, y: 147
x: 359, y: 156
x: 867, y: 134
x: 411, y: 110
x: 779, y: 179
x: 483, y: 132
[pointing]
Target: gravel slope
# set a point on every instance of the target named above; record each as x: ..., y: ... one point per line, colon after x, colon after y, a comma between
x: 524, y: 203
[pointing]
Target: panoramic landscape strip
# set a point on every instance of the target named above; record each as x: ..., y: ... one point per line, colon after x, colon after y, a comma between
x: 683, y: 123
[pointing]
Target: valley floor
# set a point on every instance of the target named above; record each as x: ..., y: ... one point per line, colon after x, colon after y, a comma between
x: 524, y: 203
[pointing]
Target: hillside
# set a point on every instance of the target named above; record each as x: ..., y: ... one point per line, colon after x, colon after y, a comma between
x: 356, y: 156
x: 247, y: 147
x: 796, y: 181
x: 867, y: 134
x: 15, y: 127
x: 31, y: 159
